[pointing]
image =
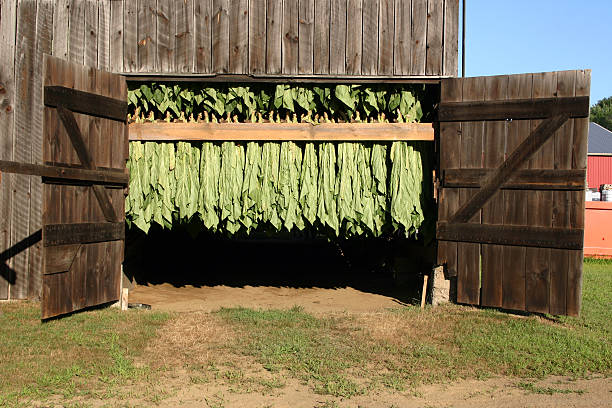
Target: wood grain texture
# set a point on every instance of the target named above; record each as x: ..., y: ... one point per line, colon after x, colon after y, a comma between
x: 369, y: 56
x: 166, y: 38
x: 104, y: 10
x: 470, y: 157
x: 220, y: 36
x: 528, y: 179
x: 147, y: 35
x: 22, y: 147
x: 290, y: 40
x: 257, y: 36
x: 451, y: 38
x: 8, y: 30
x: 418, y: 47
x: 354, y: 28
x: 76, y: 35
x: 321, y: 36
x: 337, y: 37
x: 130, y: 38
x: 435, y: 24
x: 203, y: 35
x: 91, y: 34
x: 239, y: 36
x: 61, y: 16
x: 282, y: 131
x: 274, y: 24
x: 403, y: 35
x: 116, y: 36
x: 306, y: 36
x: 386, y: 34
x: 450, y: 146
x: 514, y: 258
x: 184, y: 42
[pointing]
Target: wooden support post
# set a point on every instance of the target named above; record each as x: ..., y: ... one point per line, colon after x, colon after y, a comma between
x: 424, y: 293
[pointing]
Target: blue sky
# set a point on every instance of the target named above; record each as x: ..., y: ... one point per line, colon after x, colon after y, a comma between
x: 518, y: 36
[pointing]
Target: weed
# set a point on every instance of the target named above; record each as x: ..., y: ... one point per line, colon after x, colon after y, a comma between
x: 534, y: 389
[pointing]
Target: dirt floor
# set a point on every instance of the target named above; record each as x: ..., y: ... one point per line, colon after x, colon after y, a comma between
x: 189, y: 298
x: 497, y: 392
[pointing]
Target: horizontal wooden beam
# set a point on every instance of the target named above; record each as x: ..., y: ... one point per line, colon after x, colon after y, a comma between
x: 574, y: 107
x: 54, y: 174
x: 84, y: 233
x: 541, y: 237
x: 283, y: 79
x: 531, y: 179
x: 267, y: 132
x: 86, y: 103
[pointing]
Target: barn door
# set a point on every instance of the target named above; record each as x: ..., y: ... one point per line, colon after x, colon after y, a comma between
x: 513, y: 153
x: 83, y: 229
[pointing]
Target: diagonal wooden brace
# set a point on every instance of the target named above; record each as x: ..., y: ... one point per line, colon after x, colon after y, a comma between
x: 72, y: 128
x: 523, y: 152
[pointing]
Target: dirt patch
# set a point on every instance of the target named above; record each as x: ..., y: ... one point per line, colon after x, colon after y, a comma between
x: 210, y: 298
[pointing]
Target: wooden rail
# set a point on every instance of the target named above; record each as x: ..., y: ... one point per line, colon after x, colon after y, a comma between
x: 379, y: 132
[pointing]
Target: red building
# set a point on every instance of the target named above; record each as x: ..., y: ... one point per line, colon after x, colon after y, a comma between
x: 598, y: 216
x: 599, y: 166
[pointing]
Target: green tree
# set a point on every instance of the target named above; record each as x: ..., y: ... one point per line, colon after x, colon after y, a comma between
x: 601, y: 113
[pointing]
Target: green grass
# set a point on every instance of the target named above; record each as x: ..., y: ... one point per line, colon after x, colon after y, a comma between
x: 339, y: 356
x: 70, y: 357
x: 533, y: 389
x: 95, y: 355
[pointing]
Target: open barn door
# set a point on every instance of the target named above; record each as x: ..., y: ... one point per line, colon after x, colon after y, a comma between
x: 513, y: 154
x: 84, y: 132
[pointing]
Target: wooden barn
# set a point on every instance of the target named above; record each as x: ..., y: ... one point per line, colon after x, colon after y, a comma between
x: 508, y: 152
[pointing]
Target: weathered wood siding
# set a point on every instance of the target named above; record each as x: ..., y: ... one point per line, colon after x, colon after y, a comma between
x: 293, y: 38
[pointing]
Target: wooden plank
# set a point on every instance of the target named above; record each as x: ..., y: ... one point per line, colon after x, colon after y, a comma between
x: 61, y: 16
x: 22, y: 143
x: 76, y: 35
x: 57, y: 295
x: 8, y: 30
x: 531, y: 179
x: 116, y: 37
x: 65, y: 173
x: 542, y: 237
x: 537, y: 262
x: 451, y: 38
x: 184, y: 36
x: 574, y: 107
x: 59, y: 258
x: 321, y: 36
x: 470, y: 156
x: 514, y: 258
x: 418, y: 48
x: 203, y: 35
x: 290, y: 40
x: 402, y: 40
x: 130, y: 38
x: 238, y: 36
x: 257, y: 37
x: 560, y: 260
x: 104, y: 21
x: 496, y: 88
x: 577, y: 203
x: 162, y: 131
x: 86, y: 103
x: 435, y: 29
x: 91, y: 34
x: 147, y: 35
x: 369, y: 56
x: 166, y: 39
x: 535, y: 140
x: 306, y: 36
x: 354, y: 42
x: 337, y: 37
x: 386, y: 33
x: 82, y: 233
x: 220, y: 36
x: 450, y: 146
